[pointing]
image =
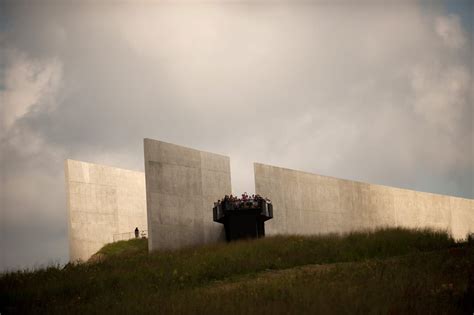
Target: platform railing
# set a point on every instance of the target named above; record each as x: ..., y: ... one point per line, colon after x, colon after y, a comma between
x: 129, y: 235
x: 264, y: 206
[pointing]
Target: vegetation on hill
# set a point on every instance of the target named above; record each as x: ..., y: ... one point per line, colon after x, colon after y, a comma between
x: 386, y: 271
x: 136, y: 246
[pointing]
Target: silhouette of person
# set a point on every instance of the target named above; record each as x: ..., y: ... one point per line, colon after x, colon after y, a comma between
x: 136, y: 232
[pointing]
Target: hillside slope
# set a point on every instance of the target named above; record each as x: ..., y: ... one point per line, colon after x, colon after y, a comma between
x: 388, y: 271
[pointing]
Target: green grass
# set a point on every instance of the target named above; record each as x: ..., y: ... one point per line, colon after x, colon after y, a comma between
x: 387, y: 271
x: 124, y: 248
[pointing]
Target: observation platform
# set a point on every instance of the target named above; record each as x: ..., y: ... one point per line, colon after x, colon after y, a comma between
x: 243, y: 218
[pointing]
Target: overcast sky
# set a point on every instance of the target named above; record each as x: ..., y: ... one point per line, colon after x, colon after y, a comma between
x: 380, y: 92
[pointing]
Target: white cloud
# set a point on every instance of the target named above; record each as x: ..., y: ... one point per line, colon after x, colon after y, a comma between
x: 26, y: 82
x: 441, y: 94
x: 449, y: 29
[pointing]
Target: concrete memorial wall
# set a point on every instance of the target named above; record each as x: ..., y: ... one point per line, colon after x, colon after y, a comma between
x: 182, y: 185
x: 305, y: 203
x: 105, y: 204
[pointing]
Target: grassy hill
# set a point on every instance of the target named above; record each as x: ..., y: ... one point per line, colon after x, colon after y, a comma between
x: 393, y: 271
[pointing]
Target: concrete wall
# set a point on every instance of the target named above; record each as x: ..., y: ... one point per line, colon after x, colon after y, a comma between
x: 182, y: 185
x: 305, y: 203
x: 103, y: 202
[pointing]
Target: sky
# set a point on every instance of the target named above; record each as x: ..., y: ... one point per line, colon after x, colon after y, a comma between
x: 373, y: 91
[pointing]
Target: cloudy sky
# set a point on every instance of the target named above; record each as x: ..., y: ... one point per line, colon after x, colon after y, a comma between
x: 375, y: 91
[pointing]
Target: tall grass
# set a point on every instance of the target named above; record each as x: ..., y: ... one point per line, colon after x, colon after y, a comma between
x: 128, y: 274
x: 423, y: 283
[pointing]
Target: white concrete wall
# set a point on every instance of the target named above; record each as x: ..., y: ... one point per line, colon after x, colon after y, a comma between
x: 305, y: 203
x: 182, y: 185
x: 103, y: 201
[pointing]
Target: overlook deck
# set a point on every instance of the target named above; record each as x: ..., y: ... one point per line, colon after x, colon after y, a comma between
x: 243, y: 218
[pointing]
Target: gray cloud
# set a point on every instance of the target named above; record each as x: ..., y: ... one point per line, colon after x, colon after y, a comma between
x: 358, y: 92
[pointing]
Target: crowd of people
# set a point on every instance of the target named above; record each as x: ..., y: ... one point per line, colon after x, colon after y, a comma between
x: 244, y: 201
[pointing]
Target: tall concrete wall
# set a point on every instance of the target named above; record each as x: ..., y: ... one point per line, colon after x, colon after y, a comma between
x: 182, y: 185
x: 103, y: 202
x: 306, y: 203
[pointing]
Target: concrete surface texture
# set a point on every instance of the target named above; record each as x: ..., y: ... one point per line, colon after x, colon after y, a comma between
x: 104, y: 203
x: 182, y: 185
x: 305, y: 203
